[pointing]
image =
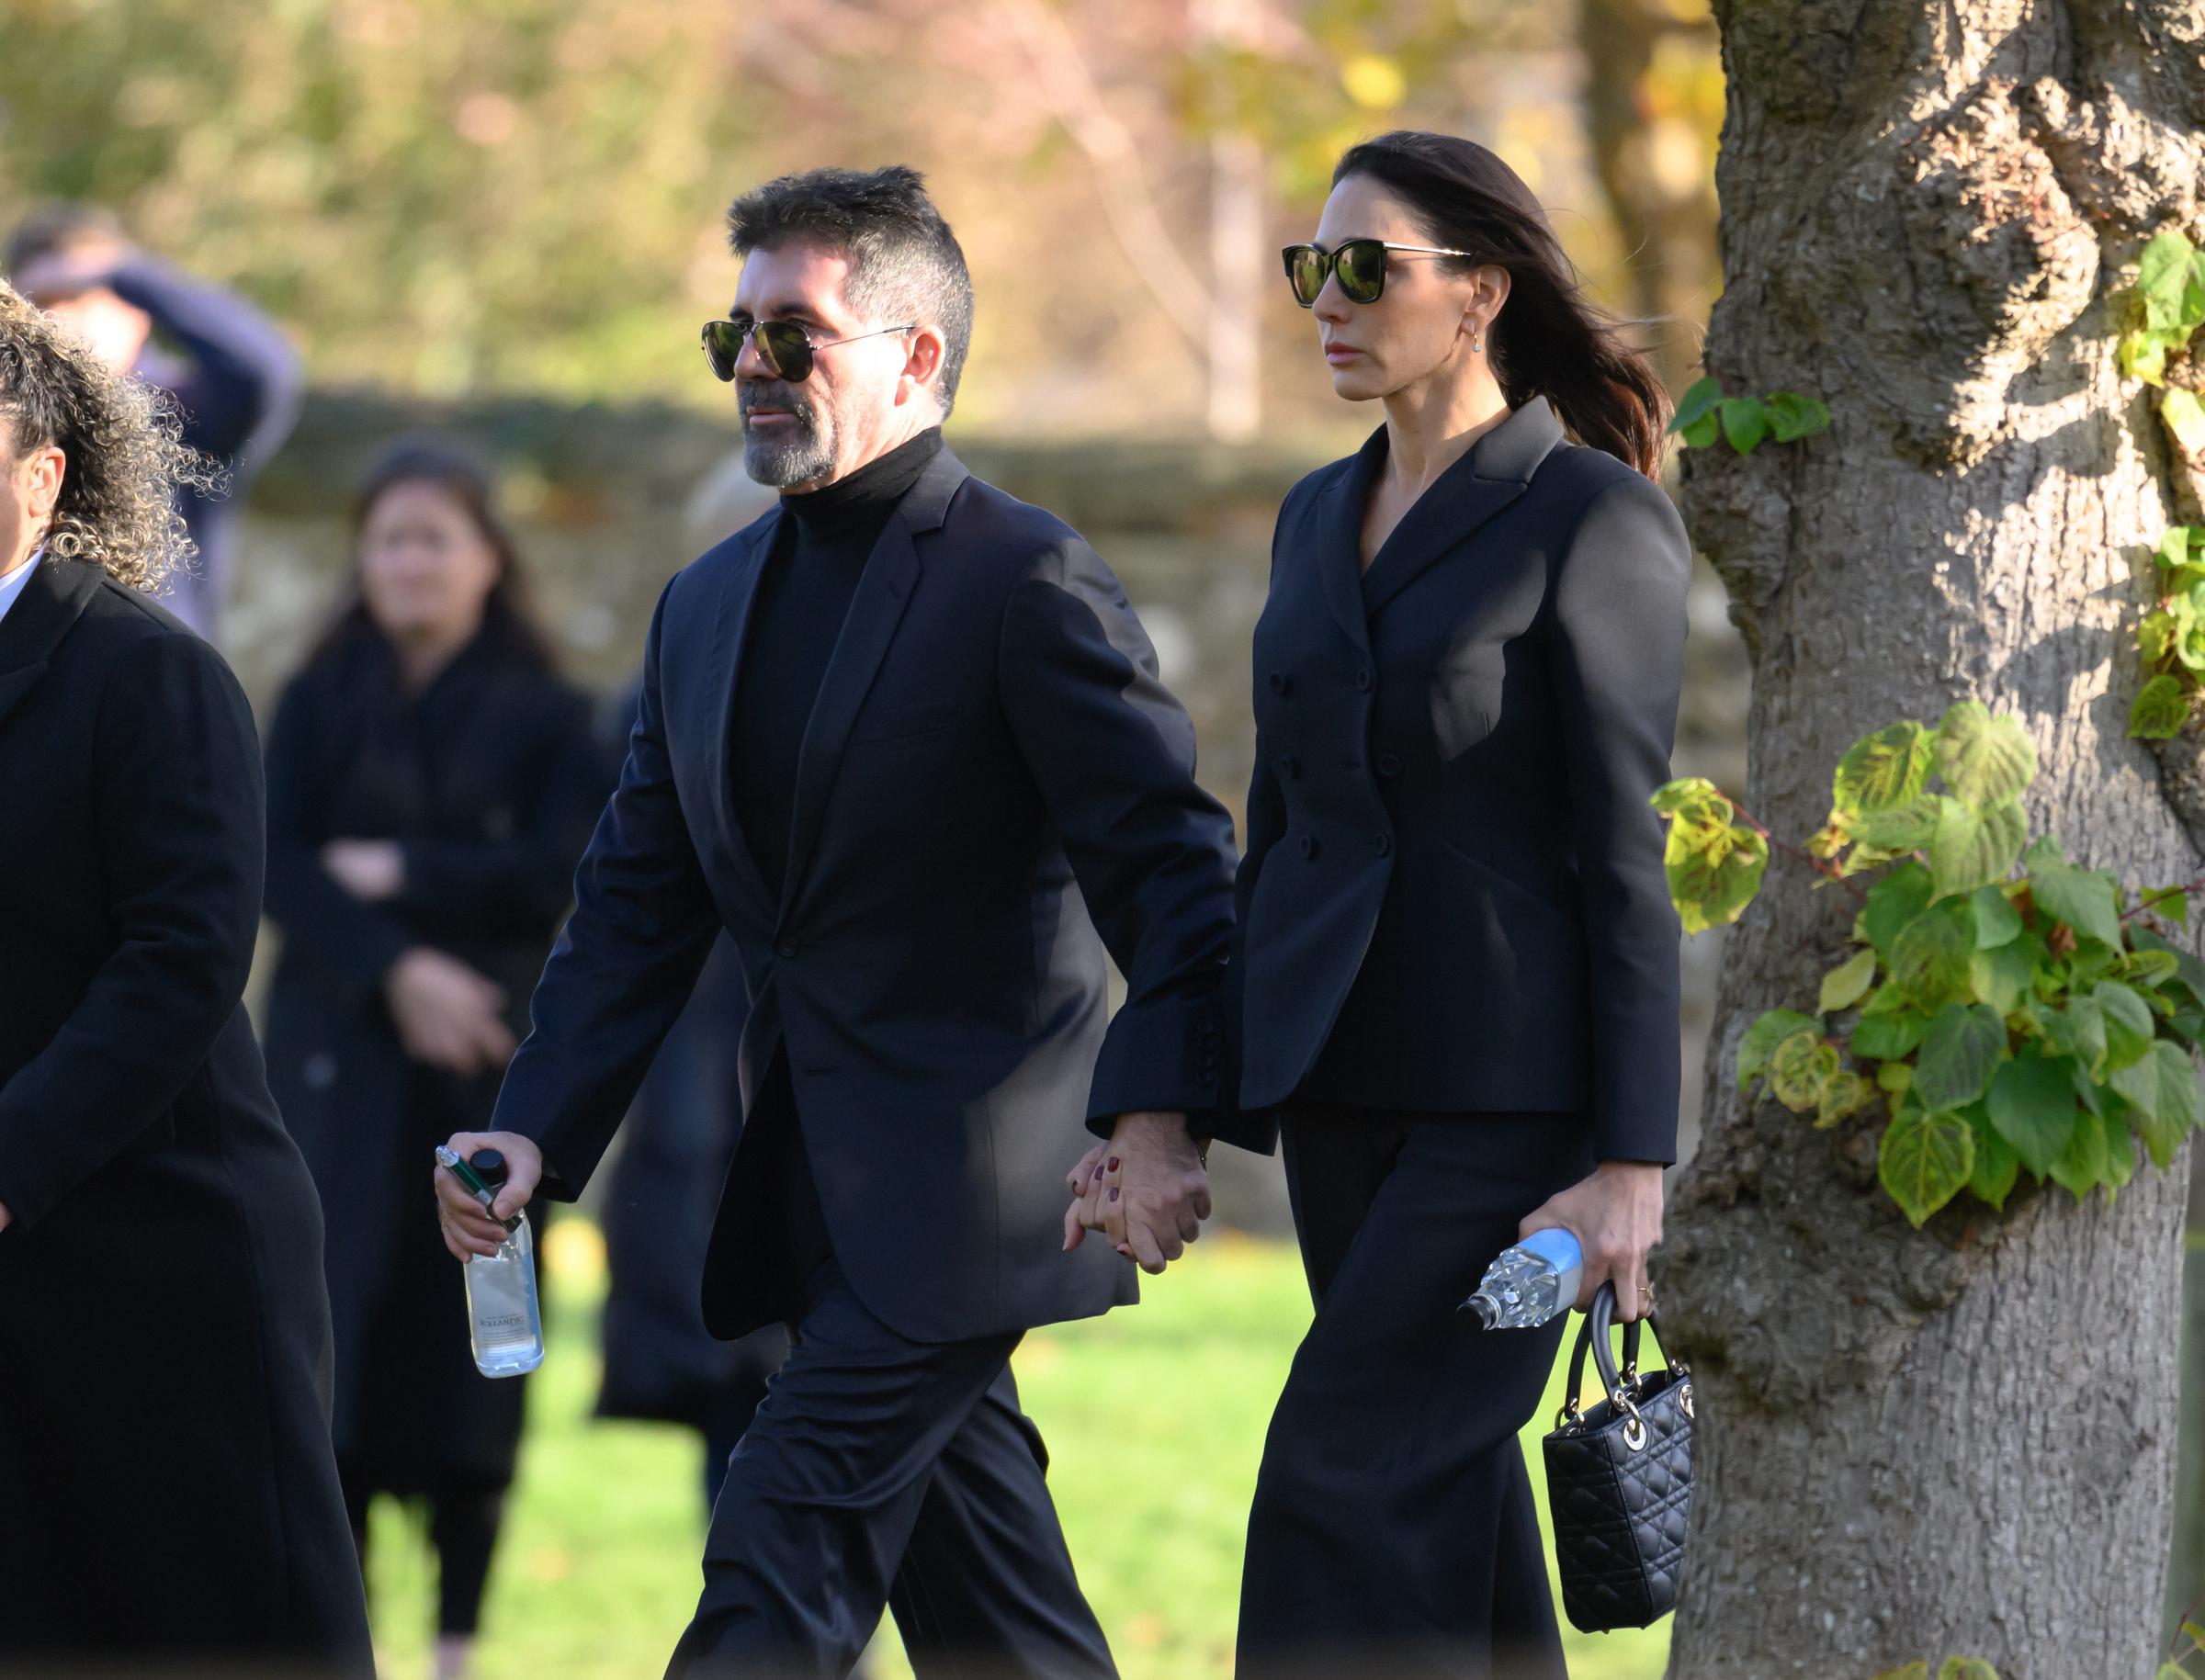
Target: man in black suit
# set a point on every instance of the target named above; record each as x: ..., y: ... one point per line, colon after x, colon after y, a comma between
x: 902, y: 737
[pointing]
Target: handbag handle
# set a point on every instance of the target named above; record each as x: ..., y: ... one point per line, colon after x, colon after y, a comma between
x: 1593, y: 1334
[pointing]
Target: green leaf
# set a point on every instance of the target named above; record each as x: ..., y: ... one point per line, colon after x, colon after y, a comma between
x: 1907, y: 1671
x: 1845, y: 985
x: 1986, y: 759
x: 2120, y: 1152
x: 1799, y: 1067
x: 1702, y: 431
x: 2082, y: 1164
x: 2129, y: 1024
x: 1699, y: 399
x: 1792, y: 416
x: 1972, y: 848
x: 2085, y: 900
x: 2142, y: 353
x: 2172, y: 903
x: 1901, y: 827
x: 1997, y: 921
x: 2002, y: 975
x: 1889, y: 1035
x: 2163, y: 278
x: 2162, y: 1094
x: 2161, y: 709
x: 1964, y: 1046
x: 1997, y: 1165
x: 2033, y: 1106
x: 2185, y: 418
x: 1695, y: 795
x: 1924, y: 1160
x: 2187, y: 963
x: 1845, y: 1092
x: 1895, y: 901
x: 1885, y: 769
x: 2077, y: 1030
x: 1768, y: 1030
x: 1745, y: 423
x: 1713, y: 871
x: 1930, y: 957
x: 2155, y: 638
x: 1966, y: 1668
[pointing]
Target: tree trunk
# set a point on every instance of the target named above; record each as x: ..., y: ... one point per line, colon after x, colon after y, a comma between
x: 1960, y: 1440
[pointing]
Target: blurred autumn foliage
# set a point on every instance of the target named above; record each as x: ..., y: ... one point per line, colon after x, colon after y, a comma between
x: 452, y: 196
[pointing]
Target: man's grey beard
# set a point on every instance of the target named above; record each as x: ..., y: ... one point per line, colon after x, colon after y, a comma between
x: 805, y: 455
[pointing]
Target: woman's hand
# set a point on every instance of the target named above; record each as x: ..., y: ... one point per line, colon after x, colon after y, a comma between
x: 4, y: 1216
x: 372, y: 871
x: 1615, y: 1215
x: 467, y: 1230
x: 446, y: 1014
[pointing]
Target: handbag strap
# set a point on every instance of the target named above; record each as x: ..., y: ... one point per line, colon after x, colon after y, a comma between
x: 1593, y: 1335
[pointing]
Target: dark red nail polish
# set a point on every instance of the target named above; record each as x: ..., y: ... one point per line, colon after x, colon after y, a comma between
x: 1113, y: 1163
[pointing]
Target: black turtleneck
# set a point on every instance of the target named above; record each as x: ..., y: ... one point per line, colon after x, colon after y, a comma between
x: 811, y: 577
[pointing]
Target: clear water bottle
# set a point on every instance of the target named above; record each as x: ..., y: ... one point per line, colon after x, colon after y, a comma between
x: 1529, y: 1283
x: 503, y: 1321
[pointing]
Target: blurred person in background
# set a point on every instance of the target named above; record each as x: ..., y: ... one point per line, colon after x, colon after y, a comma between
x: 1456, y: 963
x: 431, y: 782
x: 235, y: 379
x: 167, y: 1494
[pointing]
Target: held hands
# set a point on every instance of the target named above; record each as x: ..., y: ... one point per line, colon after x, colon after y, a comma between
x: 467, y: 1230
x: 1615, y: 1215
x: 372, y: 871
x: 1145, y: 1191
x: 446, y: 1014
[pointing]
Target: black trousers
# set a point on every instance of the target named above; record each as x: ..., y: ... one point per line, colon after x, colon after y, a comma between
x: 1392, y: 1529
x: 884, y: 1472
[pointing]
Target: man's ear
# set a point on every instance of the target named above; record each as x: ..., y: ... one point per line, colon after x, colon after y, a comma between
x: 923, y: 367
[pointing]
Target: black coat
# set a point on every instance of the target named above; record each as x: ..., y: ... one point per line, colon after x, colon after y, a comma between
x: 165, y: 1478
x: 1453, y: 896
x: 488, y: 781
x: 991, y: 762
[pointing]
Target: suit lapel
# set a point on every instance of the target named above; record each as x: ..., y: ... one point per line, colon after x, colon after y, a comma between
x: 1491, y: 474
x: 52, y: 600
x: 731, y: 638
x: 1336, y: 522
x: 884, y: 592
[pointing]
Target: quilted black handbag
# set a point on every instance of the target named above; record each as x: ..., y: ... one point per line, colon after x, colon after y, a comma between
x: 1619, y: 1482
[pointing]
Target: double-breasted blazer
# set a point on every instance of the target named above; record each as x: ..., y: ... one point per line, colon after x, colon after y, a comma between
x: 993, y: 786
x: 1453, y: 896
x: 166, y: 1484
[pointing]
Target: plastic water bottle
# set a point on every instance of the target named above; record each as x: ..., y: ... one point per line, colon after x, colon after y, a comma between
x: 504, y: 1324
x: 1529, y: 1283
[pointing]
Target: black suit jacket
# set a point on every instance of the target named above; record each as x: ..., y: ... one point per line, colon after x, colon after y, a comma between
x: 1453, y: 897
x: 992, y: 774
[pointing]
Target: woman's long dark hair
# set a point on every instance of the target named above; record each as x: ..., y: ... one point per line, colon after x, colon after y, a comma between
x: 509, y: 617
x: 1547, y: 341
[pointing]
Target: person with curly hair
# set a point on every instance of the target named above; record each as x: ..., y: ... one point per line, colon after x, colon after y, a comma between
x: 167, y: 1488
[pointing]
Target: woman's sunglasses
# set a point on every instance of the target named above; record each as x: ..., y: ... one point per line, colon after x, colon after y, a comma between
x: 1358, y: 263
x: 786, y: 348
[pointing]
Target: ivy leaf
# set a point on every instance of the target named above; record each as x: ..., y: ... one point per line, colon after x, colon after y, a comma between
x: 1986, y: 759
x: 1971, y: 848
x: 1924, y: 1160
x: 1714, y: 870
x: 2004, y: 976
x: 2130, y: 1025
x: 2156, y: 637
x: 2032, y: 1105
x: 2082, y: 898
x: 1900, y: 827
x: 1745, y: 423
x: 1884, y: 1036
x: 2173, y: 548
x: 1893, y: 902
x: 1698, y: 400
x: 2163, y: 278
x: 1770, y: 1030
x: 1930, y: 957
x: 1966, y: 1668
x: 1845, y: 985
x: 1690, y: 794
x: 1800, y: 1067
x: 2077, y: 1030
x: 2172, y: 902
x: 1885, y: 769
x: 2161, y: 709
x: 2185, y: 418
x: 1843, y: 1093
x: 1962, y: 1050
x: 2082, y: 1162
x: 2142, y: 353
x: 1907, y: 1671
x: 1702, y: 433
x: 1997, y: 1167
x: 2187, y: 966
x: 1792, y: 416
x: 2120, y: 1153
x: 2162, y: 1093
x: 1997, y: 921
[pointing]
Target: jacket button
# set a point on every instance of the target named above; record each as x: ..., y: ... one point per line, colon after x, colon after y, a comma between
x: 1363, y: 677
x: 787, y: 948
x: 1388, y: 765
x: 1280, y: 684
x: 1308, y: 845
x: 1290, y: 767
x: 1381, y: 844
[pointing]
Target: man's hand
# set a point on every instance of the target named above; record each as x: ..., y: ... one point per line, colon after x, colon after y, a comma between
x: 1615, y: 1215
x: 467, y: 1230
x: 372, y: 871
x: 446, y: 1014
x: 1152, y: 1194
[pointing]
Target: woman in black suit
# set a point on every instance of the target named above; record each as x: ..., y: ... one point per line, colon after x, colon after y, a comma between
x: 1458, y: 961
x: 430, y: 784
x: 166, y: 1489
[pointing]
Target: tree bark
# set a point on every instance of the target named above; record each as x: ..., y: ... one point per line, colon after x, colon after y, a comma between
x: 1959, y: 1440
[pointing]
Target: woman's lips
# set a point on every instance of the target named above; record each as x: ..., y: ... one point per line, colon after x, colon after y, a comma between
x: 1337, y: 353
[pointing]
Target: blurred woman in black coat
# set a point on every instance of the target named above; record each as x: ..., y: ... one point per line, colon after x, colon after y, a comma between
x: 1457, y: 966
x: 430, y: 784
x: 167, y: 1490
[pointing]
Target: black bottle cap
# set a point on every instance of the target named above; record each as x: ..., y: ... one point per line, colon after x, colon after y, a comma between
x: 490, y: 1166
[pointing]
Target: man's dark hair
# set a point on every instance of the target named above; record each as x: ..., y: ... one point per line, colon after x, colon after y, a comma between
x: 52, y: 230
x: 905, y: 264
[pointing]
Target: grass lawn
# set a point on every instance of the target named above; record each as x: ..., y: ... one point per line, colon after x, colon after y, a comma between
x: 1155, y: 1418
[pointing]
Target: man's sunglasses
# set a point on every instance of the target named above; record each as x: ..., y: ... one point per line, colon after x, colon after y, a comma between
x: 1358, y: 263
x: 786, y: 348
